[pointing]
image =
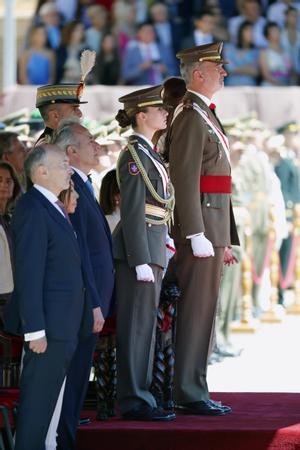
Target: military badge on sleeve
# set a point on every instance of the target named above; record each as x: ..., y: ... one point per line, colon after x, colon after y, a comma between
x: 133, y: 168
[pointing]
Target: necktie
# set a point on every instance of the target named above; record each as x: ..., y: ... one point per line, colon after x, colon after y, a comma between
x: 212, y: 107
x: 90, y: 187
x: 64, y: 211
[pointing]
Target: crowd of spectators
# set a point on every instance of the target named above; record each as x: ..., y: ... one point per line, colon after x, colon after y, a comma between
x: 136, y: 40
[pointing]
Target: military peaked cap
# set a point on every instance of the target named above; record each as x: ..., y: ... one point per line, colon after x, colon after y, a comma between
x: 58, y: 93
x: 207, y: 52
x: 142, y: 98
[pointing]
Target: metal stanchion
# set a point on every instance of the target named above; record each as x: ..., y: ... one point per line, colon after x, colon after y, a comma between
x: 247, y: 323
x: 295, y: 307
x: 273, y: 315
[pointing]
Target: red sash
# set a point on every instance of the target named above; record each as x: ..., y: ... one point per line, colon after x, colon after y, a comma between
x: 215, y: 184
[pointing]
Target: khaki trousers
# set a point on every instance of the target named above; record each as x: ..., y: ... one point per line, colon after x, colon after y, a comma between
x: 199, y: 280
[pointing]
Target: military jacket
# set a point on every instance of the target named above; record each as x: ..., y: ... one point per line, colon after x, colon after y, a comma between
x: 195, y: 150
x: 134, y: 240
x: 45, y: 137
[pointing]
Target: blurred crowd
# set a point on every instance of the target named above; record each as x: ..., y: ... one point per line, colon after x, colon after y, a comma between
x: 136, y: 40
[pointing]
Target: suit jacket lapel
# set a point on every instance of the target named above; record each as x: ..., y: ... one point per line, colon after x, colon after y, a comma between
x: 89, y: 197
x: 56, y: 215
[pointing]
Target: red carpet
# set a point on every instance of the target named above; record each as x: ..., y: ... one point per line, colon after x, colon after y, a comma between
x: 258, y: 422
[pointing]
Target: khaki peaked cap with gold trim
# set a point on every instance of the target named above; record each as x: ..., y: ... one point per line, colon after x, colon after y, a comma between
x: 207, y: 52
x: 58, y: 93
x: 143, y: 98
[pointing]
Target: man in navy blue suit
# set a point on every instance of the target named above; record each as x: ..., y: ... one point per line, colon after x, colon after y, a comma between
x: 47, y: 306
x: 95, y: 245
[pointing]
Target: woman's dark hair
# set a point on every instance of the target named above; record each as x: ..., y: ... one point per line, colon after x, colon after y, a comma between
x: 109, y: 190
x: 127, y: 118
x: 268, y: 26
x: 243, y: 26
x: 17, y: 187
x: 65, y: 195
x: 173, y: 91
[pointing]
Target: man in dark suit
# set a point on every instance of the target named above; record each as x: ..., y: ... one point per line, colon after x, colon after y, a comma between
x: 203, y: 32
x: 48, y: 301
x: 145, y: 61
x: 95, y: 245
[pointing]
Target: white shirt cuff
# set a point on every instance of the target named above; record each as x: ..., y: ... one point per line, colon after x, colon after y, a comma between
x: 190, y: 236
x: 34, y: 336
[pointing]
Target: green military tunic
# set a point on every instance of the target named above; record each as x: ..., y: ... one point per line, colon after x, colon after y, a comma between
x: 136, y: 242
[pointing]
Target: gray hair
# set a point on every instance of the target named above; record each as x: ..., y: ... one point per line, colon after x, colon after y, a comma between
x: 36, y: 157
x: 187, y: 69
x: 64, y: 135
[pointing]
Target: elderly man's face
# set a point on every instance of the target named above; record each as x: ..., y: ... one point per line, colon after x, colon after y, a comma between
x: 59, y: 172
x: 87, y: 148
x: 17, y: 156
x: 213, y: 76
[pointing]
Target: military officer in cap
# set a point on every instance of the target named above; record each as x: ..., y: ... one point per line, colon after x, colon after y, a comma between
x: 139, y: 246
x: 204, y: 226
x: 57, y: 102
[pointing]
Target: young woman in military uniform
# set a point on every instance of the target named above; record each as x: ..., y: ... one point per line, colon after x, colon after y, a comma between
x: 139, y: 245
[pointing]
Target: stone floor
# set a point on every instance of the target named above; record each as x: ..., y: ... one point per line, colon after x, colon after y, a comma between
x: 270, y: 361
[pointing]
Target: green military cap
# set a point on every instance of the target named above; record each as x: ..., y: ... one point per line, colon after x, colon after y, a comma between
x: 58, y: 93
x: 207, y: 52
x: 142, y: 98
x: 13, y: 117
x: 288, y: 127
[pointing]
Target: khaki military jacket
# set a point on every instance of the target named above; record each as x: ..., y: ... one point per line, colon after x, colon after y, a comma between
x: 195, y: 150
x: 134, y: 240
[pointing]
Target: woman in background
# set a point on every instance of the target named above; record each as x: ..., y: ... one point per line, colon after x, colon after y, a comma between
x: 107, y: 68
x: 9, y: 192
x: 68, y: 54
x: 242, y: 58
x: 275, y: 63
x: 110, y: 199
x: 37, y: 62
x: 69, y: 198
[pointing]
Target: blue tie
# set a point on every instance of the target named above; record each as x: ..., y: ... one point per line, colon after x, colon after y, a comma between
x: 90, y: 187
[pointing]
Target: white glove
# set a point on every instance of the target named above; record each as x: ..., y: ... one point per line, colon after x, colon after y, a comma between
x: 170, y: 247
x: 144, y: 273
x: 201, y: 246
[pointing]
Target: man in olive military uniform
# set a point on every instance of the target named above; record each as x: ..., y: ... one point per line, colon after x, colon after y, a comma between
x: 204, y: 226
x: 139, y: 247
x: 287, y: 170
x: 56, y: 103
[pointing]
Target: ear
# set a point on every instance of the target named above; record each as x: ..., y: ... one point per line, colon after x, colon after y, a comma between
x: 40, y: 172
x: 71, y: 151
x: 141, y: 115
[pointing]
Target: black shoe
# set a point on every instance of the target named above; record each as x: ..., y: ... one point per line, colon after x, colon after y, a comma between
x: 149, y: 413
x: 214, y: 403
x: 204, y: 408
x: 215, y: 358
x: 227, y: 351
x: 85, y: 421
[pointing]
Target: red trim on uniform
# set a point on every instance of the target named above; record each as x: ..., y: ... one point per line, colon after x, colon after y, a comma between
x: 215, y: 184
